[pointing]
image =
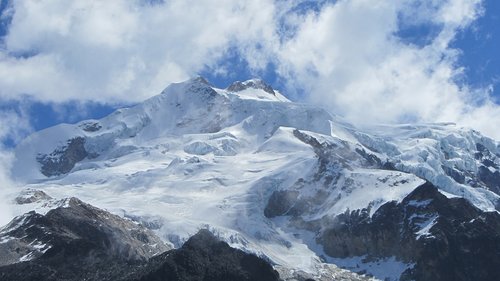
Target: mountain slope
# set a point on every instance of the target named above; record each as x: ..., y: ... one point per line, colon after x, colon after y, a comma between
x: 73, y: 241
x: 268, y: 175
x: 77, y: 241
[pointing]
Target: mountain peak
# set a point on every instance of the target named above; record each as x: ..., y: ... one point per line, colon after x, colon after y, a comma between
x: 252, y: 83
x: 200, y: 79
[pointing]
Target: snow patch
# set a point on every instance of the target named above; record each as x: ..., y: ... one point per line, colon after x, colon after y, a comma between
x: 387, y: 269
x: 425, y: 228
x: 27, y: 257
x: 419, y: 204
x: 5, y: 239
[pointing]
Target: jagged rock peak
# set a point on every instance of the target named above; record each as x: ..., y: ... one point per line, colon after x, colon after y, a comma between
x: 193, y: 84
x: 200, y: 79
x: 252, y: 83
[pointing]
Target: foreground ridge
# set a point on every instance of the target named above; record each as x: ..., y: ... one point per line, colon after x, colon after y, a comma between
x: 69, y: 246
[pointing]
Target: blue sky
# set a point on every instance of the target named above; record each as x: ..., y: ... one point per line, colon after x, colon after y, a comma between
x: 415, y: 60
x: 480, y: 46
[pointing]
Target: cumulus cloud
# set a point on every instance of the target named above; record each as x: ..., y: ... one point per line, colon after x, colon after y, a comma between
x: 351, y: 57
x: 347, y: 55
x: 121, y: 50
x: 14, y: 125
x: 6, y: 189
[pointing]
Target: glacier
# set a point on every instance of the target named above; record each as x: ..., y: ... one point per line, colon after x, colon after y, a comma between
x: 196, y: 156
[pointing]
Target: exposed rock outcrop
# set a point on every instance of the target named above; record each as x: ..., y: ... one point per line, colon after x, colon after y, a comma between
x: 280, y: 203
x: 76, y: 230
x: 80, y: 242
x: 204, y: 257
x: 91, y: 127
x: 254, y: 84
x: 29, y: 196
x: 446, y: 238
x: 63, y: 159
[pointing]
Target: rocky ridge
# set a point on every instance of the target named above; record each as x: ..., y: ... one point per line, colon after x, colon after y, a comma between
x: 77, y: 241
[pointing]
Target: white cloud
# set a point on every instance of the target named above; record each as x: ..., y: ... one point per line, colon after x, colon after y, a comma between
x: 120, y: 49
x: 350, y: 59
x: 13, y: 125
x: 6, y: 213
x: 347, y: 55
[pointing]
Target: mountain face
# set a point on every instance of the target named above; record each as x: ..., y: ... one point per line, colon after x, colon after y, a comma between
x: 77, y: 241
x: 203, y: 257
x: 75, y: 228
x: 286, y: 181
x: 445, y: 238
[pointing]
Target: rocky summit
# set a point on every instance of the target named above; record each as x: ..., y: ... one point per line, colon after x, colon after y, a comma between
x: 300, y: 192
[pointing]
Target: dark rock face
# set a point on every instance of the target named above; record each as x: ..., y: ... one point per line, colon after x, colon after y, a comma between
x: 81, y: 242
x: 446, y: 238
x: 206, y: 92
x: 280, y: 203
x: 375, y: 162
x: 255, y: 84
x: 204, y: 257
x: 91, y: 127
x: 489, y: 178
x: 488, y: 174
x: 63, y: 159
x: 202, y: 80
x: 72, y: 242
x: 454, y: 174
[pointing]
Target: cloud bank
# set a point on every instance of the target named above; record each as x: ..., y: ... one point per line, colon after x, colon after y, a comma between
x: 351, y: 56
x: 6, y: 189
x: 120, y: 50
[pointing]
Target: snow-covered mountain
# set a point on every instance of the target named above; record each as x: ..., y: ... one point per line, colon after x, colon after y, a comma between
x: 290, y: 182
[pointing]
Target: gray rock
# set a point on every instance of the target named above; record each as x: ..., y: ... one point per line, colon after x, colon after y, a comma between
x: 446, y: 238
x: 254, y: 84
x: 76, y: 229
x: 91, y: 126
x: 202, y: 257
x: 280, y: 203
x: 29, y: 196
x: 63, y: 159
